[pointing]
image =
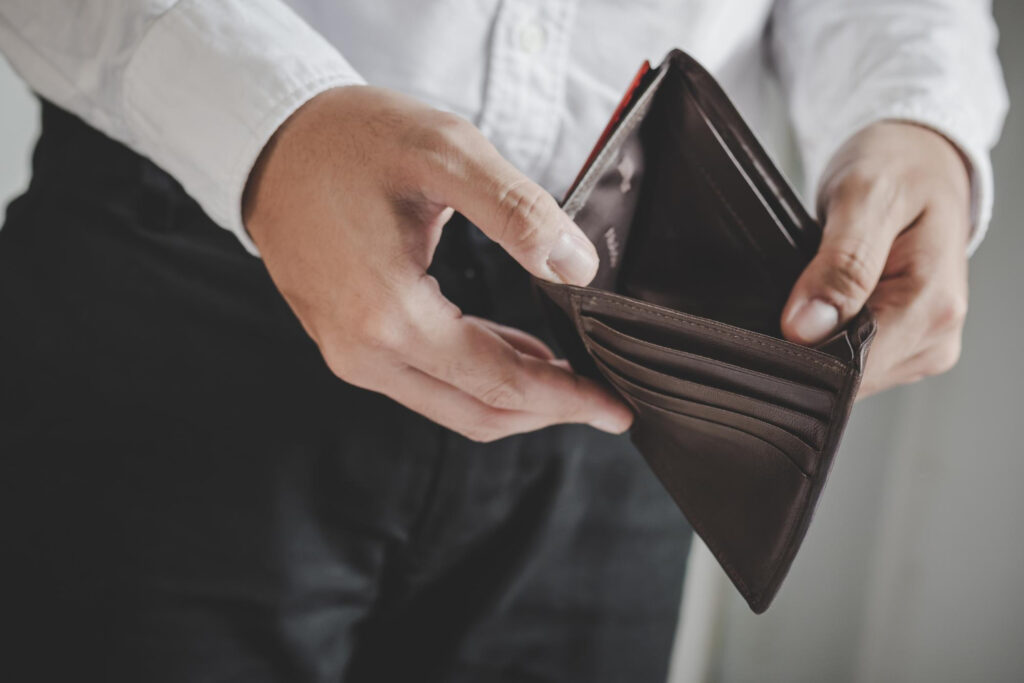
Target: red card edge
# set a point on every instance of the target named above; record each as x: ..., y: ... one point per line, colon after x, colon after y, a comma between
x: 610, y: 127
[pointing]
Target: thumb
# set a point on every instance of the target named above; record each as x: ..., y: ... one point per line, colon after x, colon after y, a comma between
x: 516, y: 213
x: 859, y: 231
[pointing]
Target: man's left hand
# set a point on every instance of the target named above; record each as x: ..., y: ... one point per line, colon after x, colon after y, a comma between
x: 896, y: 201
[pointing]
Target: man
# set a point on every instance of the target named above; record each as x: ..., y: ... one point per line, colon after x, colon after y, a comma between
x: 196, y: 491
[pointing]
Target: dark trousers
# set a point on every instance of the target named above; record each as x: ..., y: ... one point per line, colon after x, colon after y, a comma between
x: 188, y: 494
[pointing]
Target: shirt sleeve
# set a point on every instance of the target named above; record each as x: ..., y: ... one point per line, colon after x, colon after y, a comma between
x: 845, y: 64
x: 198, y: 87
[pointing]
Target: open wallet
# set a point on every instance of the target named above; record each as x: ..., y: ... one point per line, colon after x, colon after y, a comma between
x: 701, y: 240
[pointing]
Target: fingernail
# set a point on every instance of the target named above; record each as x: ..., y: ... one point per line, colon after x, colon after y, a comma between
x: 573, y: 259
x: 610, y: 425
x: 813, y: 320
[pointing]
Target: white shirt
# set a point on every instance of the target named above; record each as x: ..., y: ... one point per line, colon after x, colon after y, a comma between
x: 199, y: 86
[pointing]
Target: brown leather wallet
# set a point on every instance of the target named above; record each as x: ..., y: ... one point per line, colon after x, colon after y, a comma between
x: 701, y: 240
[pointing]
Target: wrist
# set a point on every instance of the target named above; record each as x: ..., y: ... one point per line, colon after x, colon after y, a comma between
x: 285, y: 163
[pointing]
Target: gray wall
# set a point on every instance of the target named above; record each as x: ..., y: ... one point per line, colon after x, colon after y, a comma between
x: 18, y: 129
x: 912, y: 570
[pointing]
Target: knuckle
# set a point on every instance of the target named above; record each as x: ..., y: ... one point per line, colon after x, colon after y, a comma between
x: 475, y: 432
x: 481, y: 436
x: 482, y: 432
x: 486, y: 425
x: 450, y: 126
x: 505, y: 393
x: 851, y: 270
x: 920, y: 272
x: 867, y: 183
x: 852, y: 184
x: 345, y: 363
x: 439, y: 141
x: 338, y: 361
x: 949, y: 310
x: 382, y: 330
x: 945, y: 357
x: 519, y: 207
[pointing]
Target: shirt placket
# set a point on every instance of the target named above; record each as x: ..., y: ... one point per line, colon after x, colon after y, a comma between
x: 525, y: 87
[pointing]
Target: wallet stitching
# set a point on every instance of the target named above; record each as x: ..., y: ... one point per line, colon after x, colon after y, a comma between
x: 752, y: 595
x: 697, y: 519
x: 808, y: 476
x: 816, y: 481
x: 591, y: 344
x: 730, y: 366
x: 831, y: 365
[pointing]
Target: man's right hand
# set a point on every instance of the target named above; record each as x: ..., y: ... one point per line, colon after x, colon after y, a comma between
x: 346, y: 205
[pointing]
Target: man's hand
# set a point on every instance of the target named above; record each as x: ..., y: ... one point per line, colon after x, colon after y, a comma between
x: 347, y: 204
x: 896, y: 200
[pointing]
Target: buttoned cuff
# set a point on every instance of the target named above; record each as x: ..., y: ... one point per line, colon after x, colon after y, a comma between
x: 952, y: 122
x: 210, y: 84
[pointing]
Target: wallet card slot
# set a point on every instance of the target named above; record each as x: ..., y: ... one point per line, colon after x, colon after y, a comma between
x: 798, y: 453
x: 701, y: 369
x: 712, y: 339
x: 741, y: 494
x: 809, y: 430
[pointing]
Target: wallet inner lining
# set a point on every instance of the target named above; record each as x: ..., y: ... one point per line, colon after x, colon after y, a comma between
x: 678, y: 223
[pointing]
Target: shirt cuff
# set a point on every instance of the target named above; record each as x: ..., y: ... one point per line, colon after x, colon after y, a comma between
x: 211, y: 83
x: 952, y: 122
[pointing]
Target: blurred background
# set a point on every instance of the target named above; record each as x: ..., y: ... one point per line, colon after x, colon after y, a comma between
x: 914, y: 564
x: 913, y: 567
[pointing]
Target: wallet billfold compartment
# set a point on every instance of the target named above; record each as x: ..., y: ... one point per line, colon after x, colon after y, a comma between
x: 701, y: 240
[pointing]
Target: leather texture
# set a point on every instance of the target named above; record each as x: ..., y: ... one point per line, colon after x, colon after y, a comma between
x: 701, y: 240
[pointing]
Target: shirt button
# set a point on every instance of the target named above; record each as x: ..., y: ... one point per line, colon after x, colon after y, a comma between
x: 532, y: 38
